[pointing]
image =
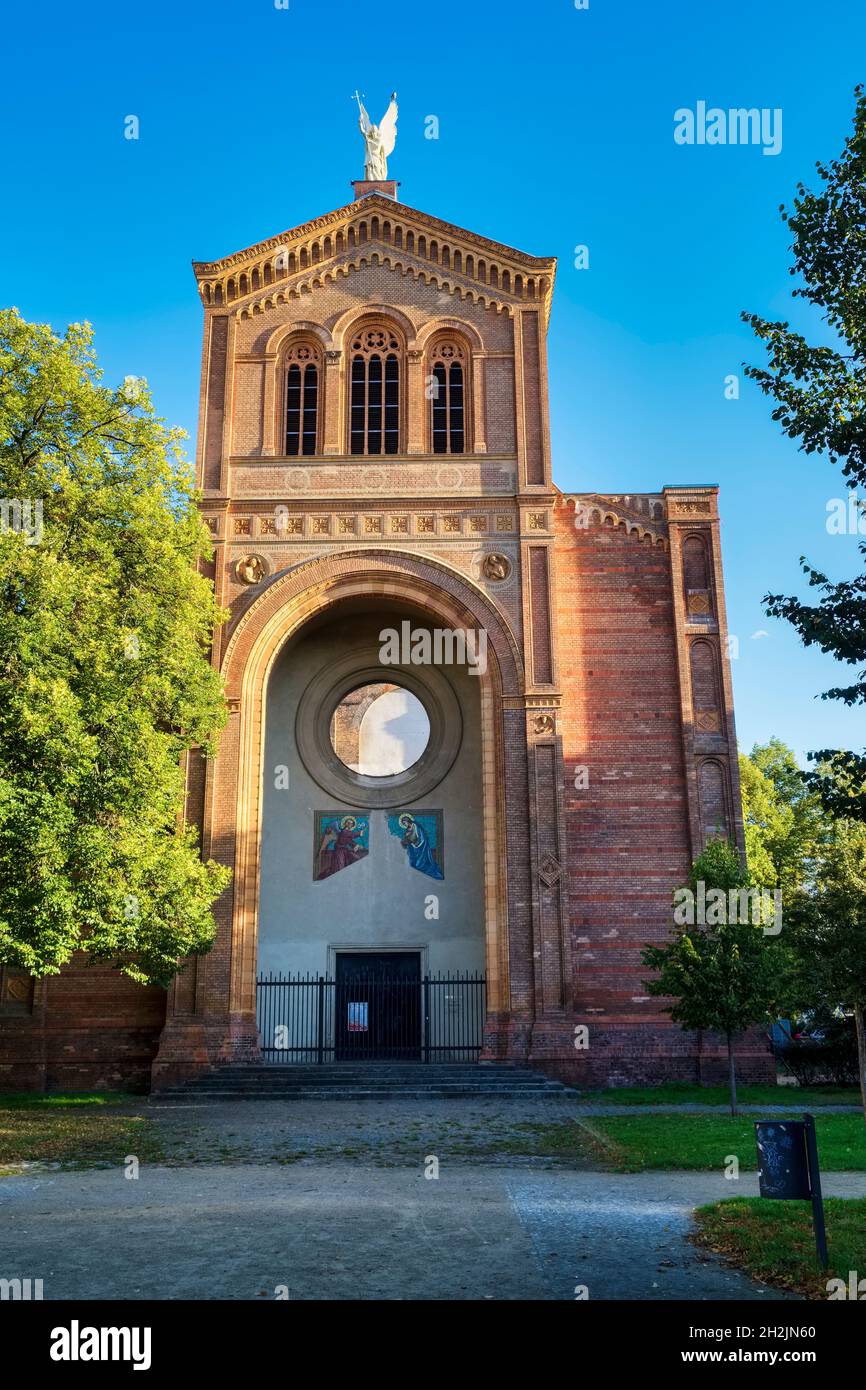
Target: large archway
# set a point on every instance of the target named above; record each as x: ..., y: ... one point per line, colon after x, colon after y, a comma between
x: 288, y: 604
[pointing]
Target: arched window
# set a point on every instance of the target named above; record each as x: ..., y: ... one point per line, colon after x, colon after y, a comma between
x: 696, y: 579
x: 374, y: 396
x: 446, y: 383
x: 706, y: 705
x: 303, y: 392
x: 713, y: 799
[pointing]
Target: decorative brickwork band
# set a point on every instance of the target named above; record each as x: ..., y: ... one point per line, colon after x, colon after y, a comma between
x: 706, y: 699
x: 531, y: 363
x: 539, y: 598
x: 551, y: 933
x: 216, y: 397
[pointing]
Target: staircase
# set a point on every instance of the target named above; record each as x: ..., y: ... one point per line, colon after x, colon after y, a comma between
x: 363, y: 1081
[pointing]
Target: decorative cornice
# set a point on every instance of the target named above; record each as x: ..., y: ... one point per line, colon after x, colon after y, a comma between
x: 698, y: 502
x: 357, y: 212
x: 240, y: 278
x: 306, y: 281
x: 524, y: 703
x: 641, y: 513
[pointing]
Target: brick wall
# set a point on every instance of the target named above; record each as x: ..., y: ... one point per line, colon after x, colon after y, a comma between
x: 91, y: 1028
x: 628, y: 833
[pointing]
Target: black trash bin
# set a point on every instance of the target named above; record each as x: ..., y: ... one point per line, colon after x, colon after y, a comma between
x: 783, y: 1163
x: 788, y: 1168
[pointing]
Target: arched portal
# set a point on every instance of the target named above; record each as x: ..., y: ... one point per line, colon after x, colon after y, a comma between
x: 298, y: 600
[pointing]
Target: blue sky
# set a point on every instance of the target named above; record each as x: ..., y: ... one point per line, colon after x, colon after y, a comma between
x: 555, y: 130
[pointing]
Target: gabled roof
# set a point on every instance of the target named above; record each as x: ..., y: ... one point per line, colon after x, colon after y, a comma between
x: 378, y: 227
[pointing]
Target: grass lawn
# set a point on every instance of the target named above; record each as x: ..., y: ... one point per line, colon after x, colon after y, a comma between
x: 774, y: 1241
x: 35, y: 1100
x: 682, y: 1093
x: 72, y: 1129
x: 632, y: 1143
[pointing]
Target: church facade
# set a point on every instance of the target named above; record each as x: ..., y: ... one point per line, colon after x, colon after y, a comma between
x: 478, y: 727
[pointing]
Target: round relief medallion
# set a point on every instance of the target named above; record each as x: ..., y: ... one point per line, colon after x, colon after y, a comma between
x: 496, y: 567
x: 449, y: 479
x: 344, y: 724
x: 251, y: 569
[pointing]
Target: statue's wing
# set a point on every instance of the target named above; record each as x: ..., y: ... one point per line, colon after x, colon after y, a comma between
x: 365, y: 119
x: 388, y: 129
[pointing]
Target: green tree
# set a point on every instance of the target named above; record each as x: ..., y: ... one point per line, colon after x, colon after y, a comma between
x: 829, y: 933
x: 105, y: 678
x: 783, y: 819
x: 820, y: 399
x: 723, y: 975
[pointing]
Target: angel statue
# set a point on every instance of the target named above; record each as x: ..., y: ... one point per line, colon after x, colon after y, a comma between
x: 379, y: 140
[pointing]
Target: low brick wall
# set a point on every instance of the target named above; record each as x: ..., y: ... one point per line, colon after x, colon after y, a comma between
x: 91, y: 1029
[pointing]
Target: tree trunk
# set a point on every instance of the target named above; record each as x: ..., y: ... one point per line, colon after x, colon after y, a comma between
x: 861, y: 1053
x: 732, y: 1074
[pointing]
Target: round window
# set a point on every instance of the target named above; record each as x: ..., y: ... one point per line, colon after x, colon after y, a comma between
x: 379, y: 730
x: 371, y: 742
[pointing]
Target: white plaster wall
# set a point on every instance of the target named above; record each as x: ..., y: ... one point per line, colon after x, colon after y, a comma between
x: 379, y: 902
x: 393, y: 734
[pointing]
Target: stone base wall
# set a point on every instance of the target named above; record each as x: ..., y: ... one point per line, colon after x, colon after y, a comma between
x: 91, y: 1029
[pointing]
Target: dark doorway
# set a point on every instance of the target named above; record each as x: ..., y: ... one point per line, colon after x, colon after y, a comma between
x: 378, y: 1006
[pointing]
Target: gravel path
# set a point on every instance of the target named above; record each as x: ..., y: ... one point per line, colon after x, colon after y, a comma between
x: 382, y: 1132
x: 354, y: 1231
x: 314, y: 1200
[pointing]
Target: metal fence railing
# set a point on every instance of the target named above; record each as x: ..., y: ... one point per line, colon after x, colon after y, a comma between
x: 312, y: 1019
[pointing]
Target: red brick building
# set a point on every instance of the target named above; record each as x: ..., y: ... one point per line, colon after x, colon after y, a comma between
x: 374, y: 450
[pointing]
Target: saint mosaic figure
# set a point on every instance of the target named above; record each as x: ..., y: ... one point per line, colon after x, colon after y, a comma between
x: 341, y: 841
x: 421, y: 837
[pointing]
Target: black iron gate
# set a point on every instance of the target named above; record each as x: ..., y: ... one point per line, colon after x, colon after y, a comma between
x: 377, y: 1006
x: 370, y: 1017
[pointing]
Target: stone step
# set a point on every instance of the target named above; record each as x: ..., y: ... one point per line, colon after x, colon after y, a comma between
x: 325, y: 1080
x: 374, y: 1069
x: 262, y: 1091
x: 358, y: 1088
x: 320, y: 1082
x: 382, y: 1065
x: 192, y: 1097
x: 375, y: 1074
x: 380, y: 1081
